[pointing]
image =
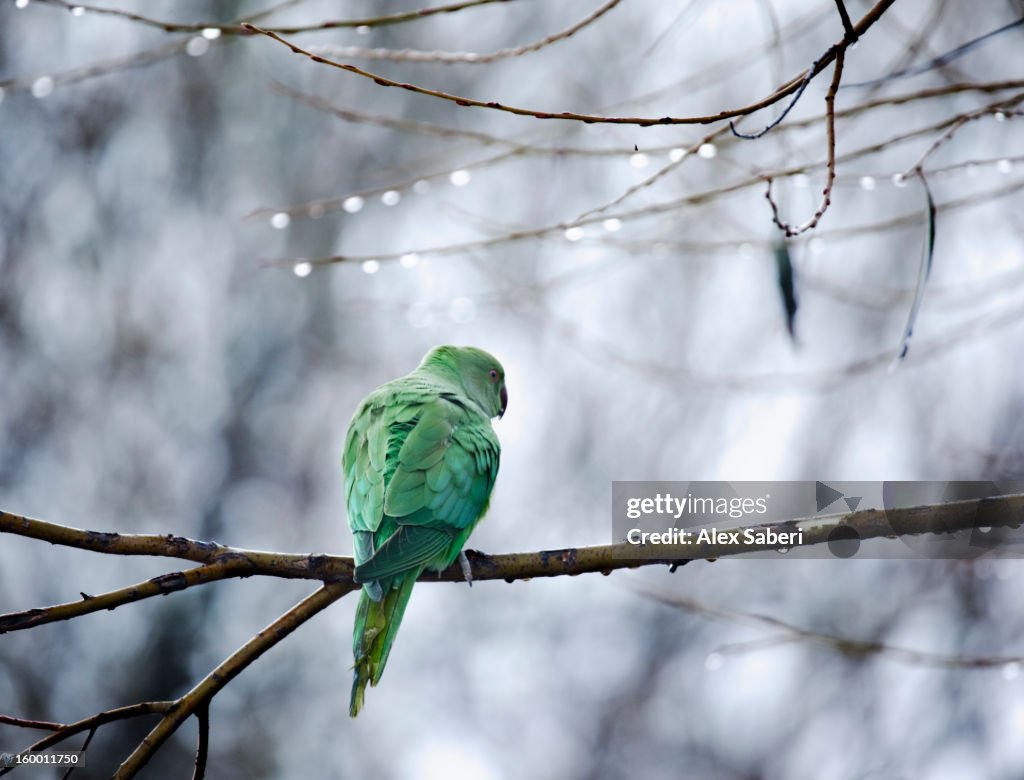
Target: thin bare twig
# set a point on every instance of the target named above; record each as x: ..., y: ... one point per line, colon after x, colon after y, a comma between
x: 463, y: 57
x: 590, y: 213
x: 83, y: 748
x: 203, y: 742
x: 234, y: 28
x: 711, y: 75
x: 401, y: 124
x: 137, y: 60
x: 314, y: 208
x: 237, y: 566
x: 729, y: 246
x: 830, y: 168
x: 852, y: 647
x: 851, y: 34
x: 998, y: 107
x: 26, y: 723
x: 939, y: 61
x: 811, y: 73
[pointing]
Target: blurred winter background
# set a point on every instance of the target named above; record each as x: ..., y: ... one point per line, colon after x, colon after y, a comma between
x: 159, y: 374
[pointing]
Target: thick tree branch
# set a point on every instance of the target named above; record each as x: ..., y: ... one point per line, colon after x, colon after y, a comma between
x: 1001, y: 511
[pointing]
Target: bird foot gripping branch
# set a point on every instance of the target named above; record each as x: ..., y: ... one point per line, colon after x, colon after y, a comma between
x: 467, y: 568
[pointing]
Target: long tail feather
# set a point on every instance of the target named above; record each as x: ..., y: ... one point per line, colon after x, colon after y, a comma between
x: 376, y: 626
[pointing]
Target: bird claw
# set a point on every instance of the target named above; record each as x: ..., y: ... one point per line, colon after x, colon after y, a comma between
x: 467, y: 570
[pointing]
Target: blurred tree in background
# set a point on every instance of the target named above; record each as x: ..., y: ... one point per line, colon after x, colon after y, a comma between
x: 212, y: 248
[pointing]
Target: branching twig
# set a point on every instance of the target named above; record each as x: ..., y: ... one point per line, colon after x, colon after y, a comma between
x: 93, y: 722
x: 865, y: 23
x: 443, y: 131
x: 517, y: 148
x: 210, y: 685
x: 808, y: 77
x: 837, y: 52
x: 830, y: 166
x: 659, y: 208
x: 624, y: 216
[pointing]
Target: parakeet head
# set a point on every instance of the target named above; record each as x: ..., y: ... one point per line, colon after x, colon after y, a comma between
x: 478, y: 373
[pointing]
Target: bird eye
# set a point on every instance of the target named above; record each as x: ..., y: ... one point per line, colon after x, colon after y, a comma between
x: 493, y: 374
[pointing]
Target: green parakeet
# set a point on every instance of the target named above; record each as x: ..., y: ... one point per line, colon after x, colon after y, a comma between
x: 420, y: 461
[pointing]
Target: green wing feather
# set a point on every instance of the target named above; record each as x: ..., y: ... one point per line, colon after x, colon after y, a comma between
x: 419, y: 469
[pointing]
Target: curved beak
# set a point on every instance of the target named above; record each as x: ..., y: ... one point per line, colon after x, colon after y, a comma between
x: 504, y: 402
